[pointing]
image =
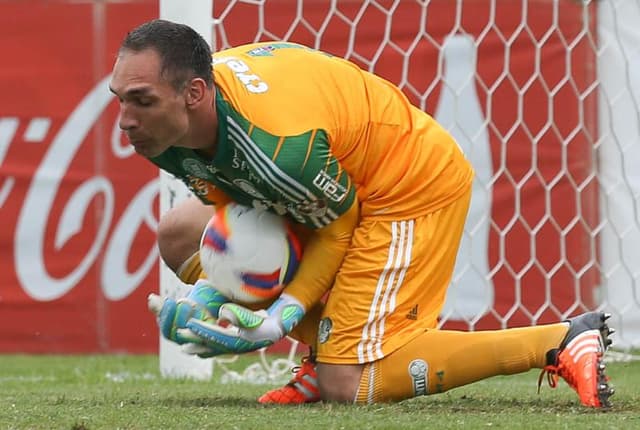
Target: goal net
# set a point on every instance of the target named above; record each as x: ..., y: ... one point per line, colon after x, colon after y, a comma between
x: 544, y: 98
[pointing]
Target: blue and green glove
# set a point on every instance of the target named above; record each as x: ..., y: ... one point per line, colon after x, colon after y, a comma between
x: 247, y: 330
x: 203, y: 303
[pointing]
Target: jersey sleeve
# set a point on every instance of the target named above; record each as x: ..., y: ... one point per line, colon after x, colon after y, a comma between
x: 323, y: 255
x: 309, y: 175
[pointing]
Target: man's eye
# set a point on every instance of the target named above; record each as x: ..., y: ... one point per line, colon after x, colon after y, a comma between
x: 144, y: 102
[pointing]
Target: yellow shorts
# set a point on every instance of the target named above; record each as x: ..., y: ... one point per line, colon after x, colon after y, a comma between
x: 391, y: 286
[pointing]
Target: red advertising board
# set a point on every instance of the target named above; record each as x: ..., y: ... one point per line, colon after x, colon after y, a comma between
x: 80, y: 209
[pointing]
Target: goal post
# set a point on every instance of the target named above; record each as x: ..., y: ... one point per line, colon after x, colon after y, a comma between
x: 618, y: 68
x: 543, y: 97
x: 173, y: 362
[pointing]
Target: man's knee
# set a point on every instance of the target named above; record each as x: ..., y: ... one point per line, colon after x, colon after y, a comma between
x: 180, y: 230
x: 338, y: 382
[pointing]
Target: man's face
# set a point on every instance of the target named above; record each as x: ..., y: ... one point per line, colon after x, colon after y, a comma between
x: 152, y: 112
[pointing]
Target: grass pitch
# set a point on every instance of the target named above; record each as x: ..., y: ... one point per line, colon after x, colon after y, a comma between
x: 127, y: 392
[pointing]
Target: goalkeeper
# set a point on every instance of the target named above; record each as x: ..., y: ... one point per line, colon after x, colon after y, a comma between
x: 381, y: 192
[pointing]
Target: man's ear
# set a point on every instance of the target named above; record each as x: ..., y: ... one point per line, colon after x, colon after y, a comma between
x: 195, y: 92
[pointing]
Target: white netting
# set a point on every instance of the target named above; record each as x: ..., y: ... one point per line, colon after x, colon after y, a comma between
x: 544, y: 98
x: 267, y: 369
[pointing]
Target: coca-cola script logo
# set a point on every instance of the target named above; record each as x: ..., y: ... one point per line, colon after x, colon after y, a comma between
x: 113, y: 249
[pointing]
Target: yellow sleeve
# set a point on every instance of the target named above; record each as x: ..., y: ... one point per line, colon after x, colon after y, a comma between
x: 322, y: 257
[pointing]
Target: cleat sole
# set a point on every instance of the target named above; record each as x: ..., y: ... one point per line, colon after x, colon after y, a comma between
x: 600, y: 392
x: 604, y: 389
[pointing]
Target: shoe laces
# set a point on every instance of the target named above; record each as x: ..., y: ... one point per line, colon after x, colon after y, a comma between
x: 553, y: 373
x: 296, y: 369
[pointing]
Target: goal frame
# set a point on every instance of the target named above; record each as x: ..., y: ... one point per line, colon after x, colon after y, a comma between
x: 617, y: 231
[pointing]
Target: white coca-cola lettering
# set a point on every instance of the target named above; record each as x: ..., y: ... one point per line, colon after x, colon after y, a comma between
x: 116, y: 281
x: 5, y: 189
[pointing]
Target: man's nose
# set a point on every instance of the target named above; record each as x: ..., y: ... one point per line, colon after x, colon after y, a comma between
x: 127, y: 120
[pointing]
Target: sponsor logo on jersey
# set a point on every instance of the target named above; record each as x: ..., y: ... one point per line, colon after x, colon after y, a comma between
x: 248, y: 188
x: 278, y: 207
x: 212, y: 169
x: 418, y: 372
x: 242, y: 72
x: 311, y: 208
x: 331, y: 188
x: 198, y: 186
x: 266, y: 50
x: 239, y: 163
x: 263, y: 51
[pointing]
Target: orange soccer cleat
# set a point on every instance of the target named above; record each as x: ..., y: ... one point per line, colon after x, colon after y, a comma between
x: 303, y: 387
x: 578, y: 360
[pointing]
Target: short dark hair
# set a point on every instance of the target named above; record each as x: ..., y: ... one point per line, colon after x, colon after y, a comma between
x: 184, y: 54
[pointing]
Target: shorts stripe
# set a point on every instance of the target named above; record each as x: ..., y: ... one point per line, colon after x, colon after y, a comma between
x: 388, y: 285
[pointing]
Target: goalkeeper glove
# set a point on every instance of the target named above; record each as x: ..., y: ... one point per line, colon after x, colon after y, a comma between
x: 203, y: 303
x: 248, y: 330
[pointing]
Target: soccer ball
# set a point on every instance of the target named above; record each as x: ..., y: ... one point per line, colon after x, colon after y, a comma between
x: 248, y: 254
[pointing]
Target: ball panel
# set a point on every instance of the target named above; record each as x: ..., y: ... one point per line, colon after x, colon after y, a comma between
x: 292, y: 261
x: 215, y: 240
x: 216, y: 233
x: 256, y: 295
x: 249, y: 254
x: 263, y: 281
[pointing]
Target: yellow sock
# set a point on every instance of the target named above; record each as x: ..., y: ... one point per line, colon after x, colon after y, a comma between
x: 191, y: 270
x: 439, y: 360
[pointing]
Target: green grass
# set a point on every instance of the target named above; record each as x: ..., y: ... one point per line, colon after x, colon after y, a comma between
x: 126, y: 392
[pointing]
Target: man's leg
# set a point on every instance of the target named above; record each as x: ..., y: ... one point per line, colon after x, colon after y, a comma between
x: 179, y: 234
x: 440, y: 360
x: 381, y: 343
x: 388, y: 292
x: 437, y: 361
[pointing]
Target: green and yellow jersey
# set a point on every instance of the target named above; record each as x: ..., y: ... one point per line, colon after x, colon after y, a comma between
x: 309, y: 135
x: 301, y: 132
